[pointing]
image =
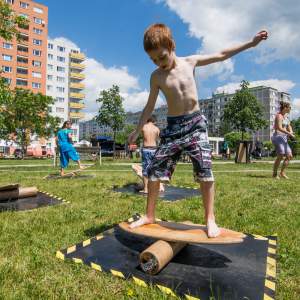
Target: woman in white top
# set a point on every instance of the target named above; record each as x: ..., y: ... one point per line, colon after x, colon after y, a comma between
x: 283, y: 130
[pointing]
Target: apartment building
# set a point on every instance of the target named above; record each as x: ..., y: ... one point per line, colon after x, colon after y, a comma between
x: 90, y: 128
x: 268, y: 97
x: 65, y: 82
x: 24, y: 61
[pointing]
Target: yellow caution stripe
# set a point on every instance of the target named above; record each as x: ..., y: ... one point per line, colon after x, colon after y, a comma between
x: 77, y: 260
x: 267, y: 297
x: 259, y: 237
x: 60, y: 255
x: 117, y: 273
x: 270, y: 284
x: 139, y: 282
x: 71, y: 249
x: 86, y: 243
x: 188, y: 297
x: 166, y: 290
x: 96, y: 267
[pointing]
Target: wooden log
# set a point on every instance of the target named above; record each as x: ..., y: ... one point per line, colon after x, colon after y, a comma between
x: 158, y: 255
x: 18, y: 193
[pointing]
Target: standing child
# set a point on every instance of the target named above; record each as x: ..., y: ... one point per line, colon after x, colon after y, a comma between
x: 283, y: 130
x: 66, y: 149
x: 187, y: 128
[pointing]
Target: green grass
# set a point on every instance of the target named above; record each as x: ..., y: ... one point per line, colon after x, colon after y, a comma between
x: 247, y: 200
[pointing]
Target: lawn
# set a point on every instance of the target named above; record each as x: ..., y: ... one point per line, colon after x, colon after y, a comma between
x: 247, y: 200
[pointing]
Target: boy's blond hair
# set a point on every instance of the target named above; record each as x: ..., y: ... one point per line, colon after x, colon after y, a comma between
x: 158, y: 35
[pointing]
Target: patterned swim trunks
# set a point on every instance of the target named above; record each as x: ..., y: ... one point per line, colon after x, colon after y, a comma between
x: 183, y: 134
x: 147, y: 156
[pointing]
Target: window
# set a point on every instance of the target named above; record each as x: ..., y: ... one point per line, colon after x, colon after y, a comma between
x: 36, y: 74
x: 22, y: 71
x: 49, y: 77
x: 23, y: 15
x: 24, y: 37
x: 60, y: 99
x: 9, y: 1
x: 7, y: 57
x: 60, y: 58
x: 50, y: 46
x: 60, y: 69
x: 37, y: 30
x: 7, y: 69
x: 22, y: 60
x: 22, y: 48
x: 36, y: 85
x: 36, y: 63
x: 37, y: 52
x: 59, y: 110
x: 24, y: 4
x: 50, y: 56
x: 38, y: 10
x: 60, y: 89
x: 49, y: 88
x: 60, y: 79
x: 21, y: 82
x: 50, y: 67
x: 7, y: 45
x: 37, y: 20
x: 7, y: 80
x: 61, y: 49
x: 37, y: 42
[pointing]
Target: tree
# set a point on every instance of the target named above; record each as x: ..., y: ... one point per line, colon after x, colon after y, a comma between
x: 111, y: 112
x: 122, y: 136
x: 233, y: 137
x: 296, y: 126
x: 244, y: 112
x: 25, y: 114
x: 9, y: 22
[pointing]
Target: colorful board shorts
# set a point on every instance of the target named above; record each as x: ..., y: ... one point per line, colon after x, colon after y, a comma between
x: 147, y: 156
x: 183, y: 134
x: 280, y: 141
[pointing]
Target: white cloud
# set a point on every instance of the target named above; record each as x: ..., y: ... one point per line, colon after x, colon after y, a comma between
x: 220, y: 24
x: 64, y: 41
x: 295, y: 112
x: 280, y: 85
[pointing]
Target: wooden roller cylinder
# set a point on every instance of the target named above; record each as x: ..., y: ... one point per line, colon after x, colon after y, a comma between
x: 159, y: 254
x: 18, y: 193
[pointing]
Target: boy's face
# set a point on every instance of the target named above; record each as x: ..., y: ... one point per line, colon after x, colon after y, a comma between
x: 162, y: 58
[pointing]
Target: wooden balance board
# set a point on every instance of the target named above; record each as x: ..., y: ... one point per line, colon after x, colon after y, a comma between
x: 171, y: 238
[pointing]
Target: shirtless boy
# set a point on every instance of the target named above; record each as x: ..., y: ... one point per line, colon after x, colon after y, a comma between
x: 150, y: 134
x: 186, y: 128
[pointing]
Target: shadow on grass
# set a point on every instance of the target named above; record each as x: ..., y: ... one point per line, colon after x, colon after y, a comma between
x: 95, y: 230
x: 258, y: 176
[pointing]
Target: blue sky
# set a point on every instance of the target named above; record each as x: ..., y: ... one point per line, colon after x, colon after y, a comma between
x: 110, y: 33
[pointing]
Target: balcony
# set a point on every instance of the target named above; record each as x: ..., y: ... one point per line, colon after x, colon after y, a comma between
x: 79, y: 56
x: 23, y: 76
x: 78, y: 86
x: 77, y: 75
x: 77, y: 95
x: 76, y: 115
x: 77, y: 66
x: 77, y: 105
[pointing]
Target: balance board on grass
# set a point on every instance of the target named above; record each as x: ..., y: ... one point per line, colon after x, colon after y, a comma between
x: 171, y: 238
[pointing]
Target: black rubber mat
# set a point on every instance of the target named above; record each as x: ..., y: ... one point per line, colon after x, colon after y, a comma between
x: 202, y: 271
x: 42, y: 199
x: 171, y: 193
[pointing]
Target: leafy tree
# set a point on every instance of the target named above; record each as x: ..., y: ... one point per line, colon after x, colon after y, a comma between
x: 233, y: 137
x: 296, y: 126
x: 24, y: 114
x: 122, y: 136
x: 244, y: 112
x: 9, y: 22
x: 111, y: 112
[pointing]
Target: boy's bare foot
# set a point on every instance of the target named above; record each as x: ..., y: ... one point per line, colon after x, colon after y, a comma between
x: 142, y: 221
x: 212, y: 229
x: 161, y: 188
x: 282, y: 175
x: 275, y: 176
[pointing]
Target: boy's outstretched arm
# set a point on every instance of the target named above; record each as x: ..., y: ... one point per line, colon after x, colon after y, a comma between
x: 147, y: 111
x: 202, y: 60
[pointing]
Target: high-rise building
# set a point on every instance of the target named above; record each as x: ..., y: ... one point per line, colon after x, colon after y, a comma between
x: 268, y: 97
x: 23, y: 61
x: 64, y: 82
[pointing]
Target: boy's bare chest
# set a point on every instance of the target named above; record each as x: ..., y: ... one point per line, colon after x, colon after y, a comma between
x: 180, y: 78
